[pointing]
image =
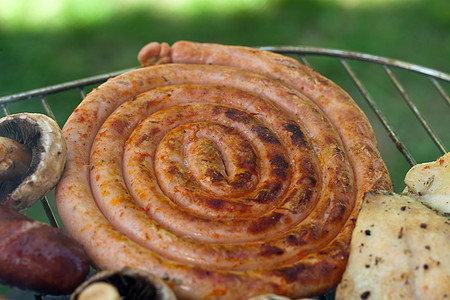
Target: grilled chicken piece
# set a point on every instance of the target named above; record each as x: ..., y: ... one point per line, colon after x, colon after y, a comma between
x: 431, y: 182
x: 399, y: 250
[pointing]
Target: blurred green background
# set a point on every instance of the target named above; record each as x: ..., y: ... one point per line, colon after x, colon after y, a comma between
x: 44, y: 42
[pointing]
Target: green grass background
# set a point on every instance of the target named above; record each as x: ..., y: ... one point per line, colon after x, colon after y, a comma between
x: 45, y: 42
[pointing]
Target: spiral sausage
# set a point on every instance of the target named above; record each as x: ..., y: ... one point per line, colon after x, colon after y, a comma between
x: 232, y: 171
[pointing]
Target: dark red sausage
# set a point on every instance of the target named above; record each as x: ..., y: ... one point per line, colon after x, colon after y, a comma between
x: 37, y: 257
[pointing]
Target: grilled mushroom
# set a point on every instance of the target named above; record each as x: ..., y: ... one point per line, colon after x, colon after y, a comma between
x: 275, y: 297
x: 100, y: 290
x: 128, y: 282
x: 32, y: 158
x: 269, y: 297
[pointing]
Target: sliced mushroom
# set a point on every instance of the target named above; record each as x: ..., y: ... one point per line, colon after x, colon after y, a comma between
x: 32, y: 158
x: 130, y: 284
x: 275, y: 297
x: 100, y: 290
x: 269, y: 297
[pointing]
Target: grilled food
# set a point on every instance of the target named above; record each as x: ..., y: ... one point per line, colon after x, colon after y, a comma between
x: 230, y: 171
x: 400, y: 247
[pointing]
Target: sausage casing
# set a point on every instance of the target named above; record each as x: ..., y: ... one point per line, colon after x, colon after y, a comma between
x: 219, y: 172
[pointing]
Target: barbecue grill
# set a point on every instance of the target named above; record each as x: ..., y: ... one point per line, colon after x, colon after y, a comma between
x: 407, y: 104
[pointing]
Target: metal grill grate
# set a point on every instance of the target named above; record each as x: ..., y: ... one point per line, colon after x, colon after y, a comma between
x: 440, y: 81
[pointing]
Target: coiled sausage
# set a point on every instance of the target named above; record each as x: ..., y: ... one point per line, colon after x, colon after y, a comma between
x: 230, y: 170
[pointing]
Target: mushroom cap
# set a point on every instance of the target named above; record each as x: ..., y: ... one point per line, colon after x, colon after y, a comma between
x: 44, y: 138
x: 131, y: 283
x: 275, y: 297
x: 100, y: 290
